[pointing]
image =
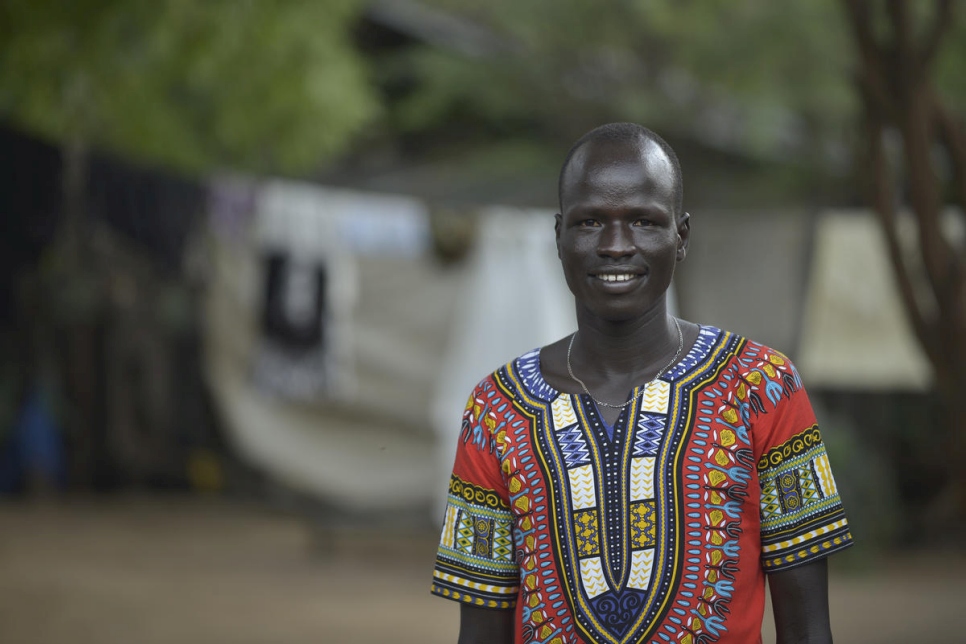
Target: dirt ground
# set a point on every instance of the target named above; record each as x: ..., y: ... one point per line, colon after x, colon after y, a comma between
x: 209, y: 571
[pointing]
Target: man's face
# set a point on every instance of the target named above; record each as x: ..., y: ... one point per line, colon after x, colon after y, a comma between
x: 617, y: 236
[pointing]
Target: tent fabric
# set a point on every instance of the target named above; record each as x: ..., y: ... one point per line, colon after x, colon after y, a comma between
x: 856, y: 335
x: 415, y: 335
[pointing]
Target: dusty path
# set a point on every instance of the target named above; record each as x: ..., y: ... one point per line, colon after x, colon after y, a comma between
x: 188, y: 571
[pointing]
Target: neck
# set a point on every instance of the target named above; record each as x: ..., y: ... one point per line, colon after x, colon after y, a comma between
x: 625, y: 349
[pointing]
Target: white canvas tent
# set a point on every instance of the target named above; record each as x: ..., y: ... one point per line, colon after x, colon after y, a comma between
x: 856, y: 335
x: 410, y: 336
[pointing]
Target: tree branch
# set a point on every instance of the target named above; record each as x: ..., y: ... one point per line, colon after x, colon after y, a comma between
x: 881, y: 196
x: 952, y: 132
x: 898, y: 11
x: 870, y: 52
x: 915, y: 115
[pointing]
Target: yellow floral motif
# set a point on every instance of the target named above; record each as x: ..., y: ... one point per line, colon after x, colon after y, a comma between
x: 776, y: 359
x: 716, y: 516
x: 730, y: 415
x: 643, y: 528
x: 742, y: 391
x: 754, y: 378
x: 586, y: 524
x: 727, y: 438
x: 721, y: 458
x: 716, y: 477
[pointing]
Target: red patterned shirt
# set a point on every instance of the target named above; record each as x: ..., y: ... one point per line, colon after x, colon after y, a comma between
x: 657, y: 529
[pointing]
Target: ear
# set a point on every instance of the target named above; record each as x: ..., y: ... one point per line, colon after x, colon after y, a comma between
x: 684, y: 235
x: 557, y: 223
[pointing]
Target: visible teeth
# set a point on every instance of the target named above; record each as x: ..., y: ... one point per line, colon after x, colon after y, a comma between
x: 616, y: 278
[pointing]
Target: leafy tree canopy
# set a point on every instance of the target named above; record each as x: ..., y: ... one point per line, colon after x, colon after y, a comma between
x: 250, y: 84
x: 762, y: 77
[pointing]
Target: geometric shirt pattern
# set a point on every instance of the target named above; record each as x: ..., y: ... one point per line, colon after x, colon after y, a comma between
x: 650, y: 529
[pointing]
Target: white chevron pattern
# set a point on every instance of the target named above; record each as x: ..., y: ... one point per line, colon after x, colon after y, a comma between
x: 656, y: 396
x: 592, y: 576
x: 642, y: 561
x: 582, y: 489
x: 642, y: 478
x: 563, y: 412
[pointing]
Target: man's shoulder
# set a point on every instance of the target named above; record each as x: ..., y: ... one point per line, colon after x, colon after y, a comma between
x: 745, y: 346
x: 744, y: 354
x: 521, y: 375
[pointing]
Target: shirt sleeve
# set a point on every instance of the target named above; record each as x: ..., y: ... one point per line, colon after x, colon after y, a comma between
x: 475, y: 561
x: 802, y: 518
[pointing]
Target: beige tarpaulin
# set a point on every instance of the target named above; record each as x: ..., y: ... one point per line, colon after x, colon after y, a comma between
x: 413, y: 336
x: 368, y: 444
x: 856, y: 335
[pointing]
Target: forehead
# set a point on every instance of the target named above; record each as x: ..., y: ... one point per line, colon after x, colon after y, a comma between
x: 605, y: 171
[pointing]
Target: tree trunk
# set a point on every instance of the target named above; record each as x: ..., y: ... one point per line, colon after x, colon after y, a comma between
x: 898, y: 97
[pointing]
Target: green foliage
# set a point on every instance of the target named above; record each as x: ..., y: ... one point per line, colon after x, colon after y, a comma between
x: 753, y: 76
x: 254, y: 84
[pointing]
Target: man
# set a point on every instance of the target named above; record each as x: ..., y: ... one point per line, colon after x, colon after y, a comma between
x: 635, y: 481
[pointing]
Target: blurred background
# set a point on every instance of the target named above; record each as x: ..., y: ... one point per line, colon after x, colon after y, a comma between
x: 256, y: 253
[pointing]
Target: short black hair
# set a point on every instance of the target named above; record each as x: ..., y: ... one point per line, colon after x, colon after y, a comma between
x: 623, y: 133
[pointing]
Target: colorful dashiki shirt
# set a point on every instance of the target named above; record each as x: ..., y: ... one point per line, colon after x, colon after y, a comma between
x: 646, y: 531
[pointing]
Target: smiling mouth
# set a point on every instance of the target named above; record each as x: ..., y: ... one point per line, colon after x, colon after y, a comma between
x: 619, y: 277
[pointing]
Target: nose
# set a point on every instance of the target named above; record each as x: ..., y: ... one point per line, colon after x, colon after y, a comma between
x: 615, y: 241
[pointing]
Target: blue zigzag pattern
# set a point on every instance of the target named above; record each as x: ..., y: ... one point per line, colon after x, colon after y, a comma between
x: 573, y: 446
x: 650, y: 432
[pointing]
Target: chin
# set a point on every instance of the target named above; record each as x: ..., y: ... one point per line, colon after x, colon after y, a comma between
x: 615, y: 315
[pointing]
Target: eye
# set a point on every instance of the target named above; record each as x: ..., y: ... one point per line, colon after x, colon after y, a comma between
x: 588, y: 223
x: 643, y: 221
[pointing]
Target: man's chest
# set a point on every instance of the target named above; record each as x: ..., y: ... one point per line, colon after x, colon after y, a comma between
x: 621, y: 517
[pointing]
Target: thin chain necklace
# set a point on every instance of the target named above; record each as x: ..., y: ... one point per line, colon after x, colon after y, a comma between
x: 627, y: 402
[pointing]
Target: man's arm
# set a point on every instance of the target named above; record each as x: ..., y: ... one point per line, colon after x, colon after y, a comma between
x: 799, y: 597
x: 485, y: 625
